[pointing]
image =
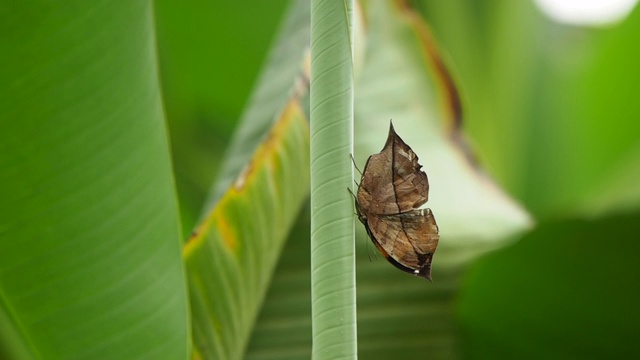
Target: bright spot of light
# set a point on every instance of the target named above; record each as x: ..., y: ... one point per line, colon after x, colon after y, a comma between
x: 587, y: 12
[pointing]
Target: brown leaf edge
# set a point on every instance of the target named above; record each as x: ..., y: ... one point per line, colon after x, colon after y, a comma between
x: 449, y: 94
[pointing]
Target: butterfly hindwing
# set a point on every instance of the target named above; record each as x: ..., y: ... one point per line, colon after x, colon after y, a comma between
x: 409, y: 239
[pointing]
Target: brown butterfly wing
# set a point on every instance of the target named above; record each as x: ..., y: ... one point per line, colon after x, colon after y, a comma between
x: 407, y: 240
x: 391, y: 188
x: 375, y: 193
x: 410, y: 182
x: 392, y: 181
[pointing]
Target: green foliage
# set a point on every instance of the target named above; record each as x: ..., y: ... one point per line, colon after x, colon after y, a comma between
x: 552, y: 108
x: 90, y: 261
x: 90, y: 233
x: 565, y: 291
x: 230, y: 258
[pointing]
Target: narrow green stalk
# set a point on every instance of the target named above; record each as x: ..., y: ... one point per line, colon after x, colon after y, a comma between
x: 332, y: 223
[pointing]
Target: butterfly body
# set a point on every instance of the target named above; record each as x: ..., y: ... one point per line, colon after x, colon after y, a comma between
x: 391, y: 190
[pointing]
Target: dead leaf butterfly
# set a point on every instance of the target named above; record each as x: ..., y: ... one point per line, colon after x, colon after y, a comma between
x: 391, y: 190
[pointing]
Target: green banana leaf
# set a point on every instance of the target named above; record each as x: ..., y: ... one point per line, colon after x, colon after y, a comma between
x: 264, y: 182
x: 231, y: 255
x: 90, y: 264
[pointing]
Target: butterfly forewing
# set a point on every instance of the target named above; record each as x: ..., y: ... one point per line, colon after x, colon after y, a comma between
x: 376, y: 193
x: 392, y: 181
x: 410, y: 182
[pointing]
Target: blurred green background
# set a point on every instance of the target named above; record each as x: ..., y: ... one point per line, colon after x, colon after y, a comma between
x: 552, y: 112
x: 210, y: 56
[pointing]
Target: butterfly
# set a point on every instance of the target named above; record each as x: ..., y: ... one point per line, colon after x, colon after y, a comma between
x: 391, y: 190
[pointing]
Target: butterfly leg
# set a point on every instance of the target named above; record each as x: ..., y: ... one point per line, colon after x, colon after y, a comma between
x: 351, y: 192
x: 366, y: 244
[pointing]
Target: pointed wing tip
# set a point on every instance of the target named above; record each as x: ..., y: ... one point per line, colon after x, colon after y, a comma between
x: 426, y: 273
x: 425, y: 269
x: 391, y: 137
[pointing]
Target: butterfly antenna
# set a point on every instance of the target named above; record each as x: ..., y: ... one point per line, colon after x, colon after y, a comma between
x: 354, y: 164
